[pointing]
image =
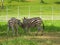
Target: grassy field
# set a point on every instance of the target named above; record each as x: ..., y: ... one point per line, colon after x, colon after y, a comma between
x: 51, y: 35
x: 47, y: 23
x: 24, y: 9
x: 33, y: 9
x: 47, y: 39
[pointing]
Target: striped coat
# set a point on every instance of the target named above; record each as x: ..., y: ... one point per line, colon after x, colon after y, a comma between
x: 13, y: 23
x: 33, y: 22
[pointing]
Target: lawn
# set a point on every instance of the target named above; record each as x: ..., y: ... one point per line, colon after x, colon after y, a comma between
x: 46, y: 39
x: 31, y: 9
x: 34, y: 8
x: 48, y: 24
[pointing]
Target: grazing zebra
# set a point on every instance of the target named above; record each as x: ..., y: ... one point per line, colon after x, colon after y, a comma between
x: 33, y: 22
x: 13, y: 23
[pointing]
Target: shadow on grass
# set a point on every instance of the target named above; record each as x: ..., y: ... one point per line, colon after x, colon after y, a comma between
x: 52, y: 28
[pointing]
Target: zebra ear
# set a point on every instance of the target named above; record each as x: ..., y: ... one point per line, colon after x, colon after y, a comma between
x: 24, y: 18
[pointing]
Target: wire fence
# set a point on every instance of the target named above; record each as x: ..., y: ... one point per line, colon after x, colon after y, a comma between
x: 21, y: 12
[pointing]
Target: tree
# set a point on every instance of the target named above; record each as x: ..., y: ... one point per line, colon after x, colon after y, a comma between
x: 17, y: 1
x: 42, y: 1
x: 22, y: 0
x: 2, y: 5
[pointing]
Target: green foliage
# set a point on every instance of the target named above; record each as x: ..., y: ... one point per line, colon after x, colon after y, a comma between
x: 49, y: 26
x: 34, y: 41
x: 9, y: 1
x: 35, y: 10
x: 22, y: 0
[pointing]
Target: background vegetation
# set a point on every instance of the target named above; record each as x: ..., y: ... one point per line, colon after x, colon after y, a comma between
x: 34, y: 8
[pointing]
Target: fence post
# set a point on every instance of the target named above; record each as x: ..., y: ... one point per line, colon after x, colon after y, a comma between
x: 40, y: 13
x: 18, y: 12
x: 52, y: 15
x: 6, y: 13
x: 29, y: 12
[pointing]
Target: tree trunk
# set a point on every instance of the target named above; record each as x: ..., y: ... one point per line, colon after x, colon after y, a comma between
x: 2, y: 6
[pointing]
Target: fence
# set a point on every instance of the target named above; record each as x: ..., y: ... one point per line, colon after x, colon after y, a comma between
x: 28, y: 11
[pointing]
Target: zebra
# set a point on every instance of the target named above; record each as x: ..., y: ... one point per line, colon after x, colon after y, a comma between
x: 13, y: 23
x: 33, y: 22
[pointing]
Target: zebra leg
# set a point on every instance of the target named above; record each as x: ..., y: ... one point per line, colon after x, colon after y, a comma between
x: 28, y: 31
x: 13, y: 31
x: 8, y: 28
x: 38, y: 28
x: 24, y: 30
x: 41, y: 29
x: 16, y: 31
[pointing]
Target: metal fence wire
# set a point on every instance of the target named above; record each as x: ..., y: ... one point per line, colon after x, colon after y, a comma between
x: 28, y: 12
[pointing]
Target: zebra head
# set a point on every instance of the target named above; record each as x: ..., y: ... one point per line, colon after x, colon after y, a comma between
x: 25, y: 20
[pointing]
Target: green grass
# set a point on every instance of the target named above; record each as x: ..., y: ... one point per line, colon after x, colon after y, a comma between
x: 19, y: 42
x: 36, y: 10
x: 49, y: 25
x: 32, y: 41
